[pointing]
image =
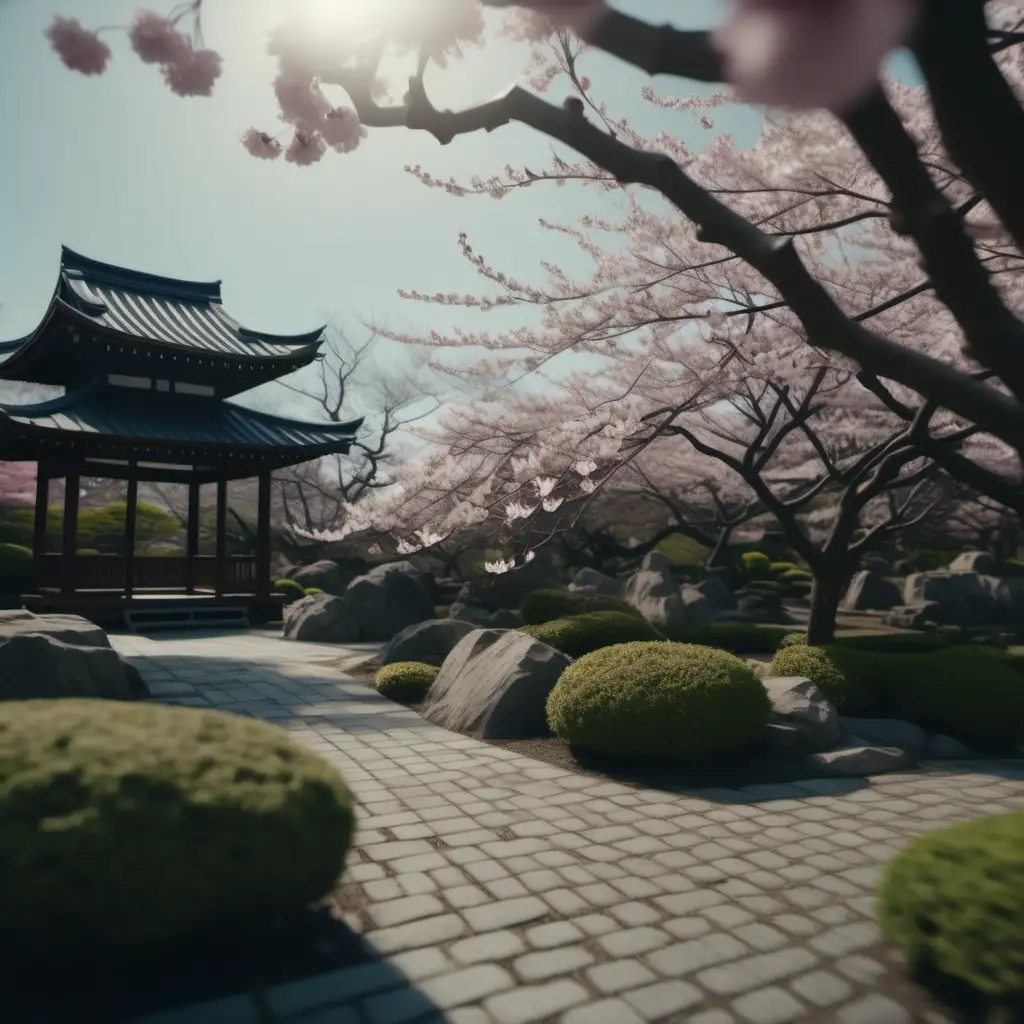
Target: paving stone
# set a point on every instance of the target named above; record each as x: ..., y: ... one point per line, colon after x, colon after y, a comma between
x: 847, y: 938
x: 546, y: 964
x: 548, y: 936
x: 420, y: 963
x: 467, y: 986
x: 530, y: 1003
x: 491, y: 916
x: 633, y: 941
x: 769, y: 1006
x: 822, y: 988
x: 874, y: 1009
x: 717, y: 1016
x: 409, y: 908
x: 330, y: 987
x: 608, y: 1011
x: 634, y: 914
x: 492, y: 946
x: 685, y: 957
x: 653, y: 1002
x: 751, y: 972
x: 619, y: 975
x: 428, y: 932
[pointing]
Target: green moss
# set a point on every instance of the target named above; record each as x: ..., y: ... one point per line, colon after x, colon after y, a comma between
x: 793, y: 640
x: 581, y: 634
x: 132, y: 826
x: 312, y: 591
x: 951, y: 900
x: 291, y: 590
x: 778, y: 568
x: 737, y: 637
x: 682, y: 550
x: 658, y: 699
x: 757, y: 564
x: 852, y: 692
x: 546, y: 605
x: 406, y: 682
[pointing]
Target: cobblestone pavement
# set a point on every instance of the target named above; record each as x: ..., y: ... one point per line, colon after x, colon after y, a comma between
x: 499, y: 890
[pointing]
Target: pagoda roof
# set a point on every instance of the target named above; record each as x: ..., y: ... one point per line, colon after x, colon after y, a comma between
x: 172, y: 316
x: 145, y: 418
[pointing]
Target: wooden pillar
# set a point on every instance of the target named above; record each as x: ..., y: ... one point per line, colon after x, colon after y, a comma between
x: 72, y: 485
x: 39, y: 524
x: 222, y: 537
x: 263, y: 537
x: 192, y: 537
x: 131, y: 512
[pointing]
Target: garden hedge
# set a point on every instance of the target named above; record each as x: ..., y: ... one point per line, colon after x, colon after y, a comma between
x: 125, y: 828
x: 546, y: 605
x: 580, y: 634
x: 737, y: 637
x: 658, y: 699
x: 406, y: 682
x: 951, y: 900
x: 757, y: 564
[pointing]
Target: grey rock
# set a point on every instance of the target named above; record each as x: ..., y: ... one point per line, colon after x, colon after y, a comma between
x: 961, y: 598
x: 655, y: 561
x: 509, y: 589
x: 36, y: 665
x: 973, y: 561
x: 431, y: 641
x: 870, y: 591
x: 321, y: 618
x: 699, y: 607
x: 590, y: 581
x: 714, y: 588
x: 886, y: 732
x: 655, y: 594
x: 71, y: 629
x: 325, y: 575
x: 941, y: 747
x: 503, y: 618
x: 860, y: 759
x: 495, y: 685
x: 137, y: 687
x: 387, y: 599
x: 781, y: 739
x: 800, y: 703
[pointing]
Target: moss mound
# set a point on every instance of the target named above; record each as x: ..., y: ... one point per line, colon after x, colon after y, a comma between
x: 128, y: 827
x: 951, y: 899
x: 581, y: 634
x: 658, y: 699
x: 851, y: 691
x: 757, y: 564
x: 406, y: 682
x: 793, y: 640
x: 737, y: 637
x: 546, y: 605
x: 291, y: 590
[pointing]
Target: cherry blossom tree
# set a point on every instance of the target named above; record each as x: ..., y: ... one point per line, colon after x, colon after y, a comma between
x: 775, y: 51
x: 17, y: 484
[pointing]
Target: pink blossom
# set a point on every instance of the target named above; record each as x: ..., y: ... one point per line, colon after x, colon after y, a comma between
x: 306, y: 148
x: 194, y: 72
x: 78, y: 48
x: 341, y: 129
x: 17, y: 484
x: 261, y: 145
x: 811, y: 53
x: 156, y: 40
x: 301, y: 101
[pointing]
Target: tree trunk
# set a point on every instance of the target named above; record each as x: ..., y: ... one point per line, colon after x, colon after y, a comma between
x: 717, y: 553
x: 826, y: 594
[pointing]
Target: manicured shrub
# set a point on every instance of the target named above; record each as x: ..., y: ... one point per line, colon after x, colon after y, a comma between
x: 851, y: 691
x: 795, y: 575
x: 757, y: 564
x: 897, y: 643
x: 737, y: 637
x: 312, y: 591
x: 951, y: 900
x: 581, y: 634
x: 545, y: 605
x: 290, y: 590
x: 15, y: 569
x: 128, y: 827
x: 683, y: 550
x: 658, y: 699
x: 406, y: 682
x: 778, y: 568
x: 793, y: 640
x: 970, y: 692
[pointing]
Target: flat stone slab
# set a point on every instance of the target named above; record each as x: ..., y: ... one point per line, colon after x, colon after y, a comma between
x: 501, y: 890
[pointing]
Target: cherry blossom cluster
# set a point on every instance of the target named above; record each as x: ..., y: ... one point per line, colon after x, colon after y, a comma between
x: 17, y: 484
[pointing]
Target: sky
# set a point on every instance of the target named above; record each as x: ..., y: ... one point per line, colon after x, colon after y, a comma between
x: 120, y: 169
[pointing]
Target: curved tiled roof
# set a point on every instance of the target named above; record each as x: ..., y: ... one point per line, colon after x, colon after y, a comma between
x: 148, y: 416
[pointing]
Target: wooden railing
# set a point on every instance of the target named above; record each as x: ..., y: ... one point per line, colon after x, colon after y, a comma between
x: 150, y: 572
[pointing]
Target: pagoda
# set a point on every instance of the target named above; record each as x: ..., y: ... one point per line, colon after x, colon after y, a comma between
x: 149, y: 365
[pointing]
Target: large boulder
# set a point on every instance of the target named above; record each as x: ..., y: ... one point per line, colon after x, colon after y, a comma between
x: 38, y: 665
x: 321, y: 619
x: 715, y: 589
x: 389, y: 598
x: 973, y: 561
x: 885, y: 732
x: 423, y: 578
x: 430, y: 642
x: 698, y: 606
x: 799, y: 703
x: 942, y: 747
x: 70, y: 629
x: 859, y: 760
x: 508, y: 589
x: 913, y: 616
x: 503, y: 618
x: 495, y: 685
x: 323, y: 575
x: 590, y: 581
x: 870, y: 591
x: 653, y: 592
x: 962, y: 598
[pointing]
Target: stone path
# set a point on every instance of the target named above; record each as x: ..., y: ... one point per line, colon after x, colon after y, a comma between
x: 499, y: 890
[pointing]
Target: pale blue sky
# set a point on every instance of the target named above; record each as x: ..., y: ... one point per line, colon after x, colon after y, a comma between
x: 120, y: 169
